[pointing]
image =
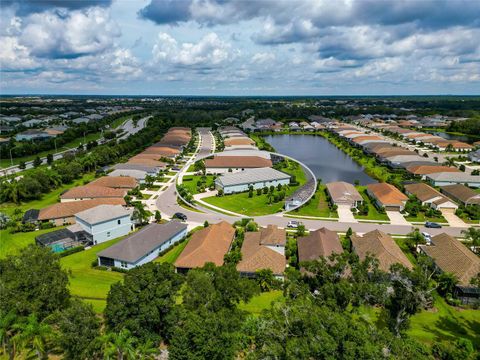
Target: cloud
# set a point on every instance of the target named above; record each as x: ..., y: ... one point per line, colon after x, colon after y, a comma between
x: 74, y: 34
x: 264, y: 57
x: 27, y: 7
x: 208, y: 52
x: 15, y: 57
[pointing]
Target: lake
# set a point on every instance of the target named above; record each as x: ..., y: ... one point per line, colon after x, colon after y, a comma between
x: 325, y: 160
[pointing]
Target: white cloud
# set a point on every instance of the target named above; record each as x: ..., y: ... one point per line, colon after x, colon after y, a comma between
x: 15, y: 56
x: 263, y: 57
x: 209, y: 51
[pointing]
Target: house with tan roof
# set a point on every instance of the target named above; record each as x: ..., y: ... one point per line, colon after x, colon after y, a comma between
x: 387, y: 196
x: 89, y: 192
x: 162, y: 151
x: 116, y: 182
x: 380, y: 245
x: 147, y: 162
x: 423, y: 170
x: 343, y: 193
x: 64, y: 213
x: 461, y: 194
x: 238, y: 141
x: 225, y: 164
x: 450, y: 255
x: 208, y: 245
x: 430, y: 196
x: 317, y: 244
x: 264, y: 249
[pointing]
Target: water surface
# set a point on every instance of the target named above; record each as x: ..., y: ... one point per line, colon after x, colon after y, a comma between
x: 325, y: 160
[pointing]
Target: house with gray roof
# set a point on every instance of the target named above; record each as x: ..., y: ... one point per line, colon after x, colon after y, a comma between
x: 258, y: 178
x: 105, y: 222
x: 143, y: 246
x: 450, y: 178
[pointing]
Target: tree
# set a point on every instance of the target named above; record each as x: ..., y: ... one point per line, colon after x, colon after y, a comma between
x: 205, y: 224
x: 446, y: 283
x: 144, y: 302
x: 119, y: 345
x: 300, y: 230
x: 158, y: 216
x: 33, y: 282
x: 414, y: 238
x: 473, y: 236
x: 34, y: 336
x: 266, y: 280
x: 37, y: 162
x: 22, y: 165
x: 77, y: 328
x: 7, y: 330
x: 49, y: 159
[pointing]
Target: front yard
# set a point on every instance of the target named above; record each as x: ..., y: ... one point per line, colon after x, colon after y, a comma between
x: 317, y: 206
x: 373, y: 213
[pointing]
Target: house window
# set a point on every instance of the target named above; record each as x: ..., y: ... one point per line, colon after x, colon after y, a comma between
x: 119, y: 221
x: 108, y: 234
x: 123, y: 264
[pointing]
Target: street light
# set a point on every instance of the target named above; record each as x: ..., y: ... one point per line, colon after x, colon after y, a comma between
x: 11, y: 158
x: 55, y: 142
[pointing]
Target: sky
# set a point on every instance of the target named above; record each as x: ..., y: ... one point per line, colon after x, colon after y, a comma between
x: 240, y: 47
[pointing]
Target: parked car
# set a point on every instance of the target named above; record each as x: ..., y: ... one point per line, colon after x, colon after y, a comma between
x: 180, y: 216
x: 432, y: 225
x: 293, y: 224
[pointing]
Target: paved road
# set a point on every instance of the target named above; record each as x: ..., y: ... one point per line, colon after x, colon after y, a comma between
x: 126, y: 126
x: 167, y: 204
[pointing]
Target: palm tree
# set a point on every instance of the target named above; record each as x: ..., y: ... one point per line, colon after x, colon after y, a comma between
x: 7, y: 323
x: 33, y: 335
x: 146, y: 351
x: 473, y: 235
x: 119, y: 345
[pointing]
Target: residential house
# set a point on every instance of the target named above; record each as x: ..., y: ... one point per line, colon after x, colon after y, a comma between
x: 143, y: 246
x: 105, y: 222
x: 423, y: 170
x: 343, y: 193
x: 226, y: 164
x: 450, y: 178
x: 257, y: 178
x: 461, y: 194
x: 429, y: 196
x: 208, y: 245
x: 138, y: 175
x: 317, y: 244
x: 116, y: 182
x: 150, y: 170
x: 88, y: 192
x: 264, y: 249
x: 450, y: 255
x: 387, y: 196
x: 474, y: 156
x: 64, y: 213
x: 380, y: 245
x: 29, y: 135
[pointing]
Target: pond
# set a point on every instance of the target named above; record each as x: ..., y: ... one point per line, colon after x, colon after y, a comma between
x: 464, y: 138
x: 325, y: 160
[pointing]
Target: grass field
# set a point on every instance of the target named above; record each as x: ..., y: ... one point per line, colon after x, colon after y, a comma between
x: 11, y: 244
x: 261, y: 302
x: 190, y: 182
x: 47, y: 199
x: 373, y: 213
x: 87, y: 282
x: 172, y: 255
x: 317, y: 206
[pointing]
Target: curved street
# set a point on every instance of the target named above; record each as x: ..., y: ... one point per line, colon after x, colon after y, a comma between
x: 168, y: 205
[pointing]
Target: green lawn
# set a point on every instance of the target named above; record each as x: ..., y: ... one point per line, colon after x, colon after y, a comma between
x: 47, y: 199
x: 261, y: 302
x: 373, y: 213
x: 401, y: 242
x: 11, y: 244
x: 422, y: 218
x: 87, y: 282
x: 172, y: 255
x: 317, y: 206
x: 190, y: 182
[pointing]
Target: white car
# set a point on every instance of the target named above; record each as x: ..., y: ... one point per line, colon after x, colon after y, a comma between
x: 293, y: 224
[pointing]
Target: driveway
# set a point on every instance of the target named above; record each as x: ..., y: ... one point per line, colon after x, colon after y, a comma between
x: 345, y: 214
x: 452, y: 219
x: 396, y: 218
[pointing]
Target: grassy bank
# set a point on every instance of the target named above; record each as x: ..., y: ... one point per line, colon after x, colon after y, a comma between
x: 317, y: 206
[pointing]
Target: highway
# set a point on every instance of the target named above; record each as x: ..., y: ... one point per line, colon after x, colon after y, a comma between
x: 167, y: 204
x: 127, y: 127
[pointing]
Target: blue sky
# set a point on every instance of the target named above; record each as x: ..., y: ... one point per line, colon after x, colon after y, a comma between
x: 240, y: 47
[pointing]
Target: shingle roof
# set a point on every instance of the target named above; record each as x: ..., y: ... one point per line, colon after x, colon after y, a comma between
x: 256, y: 256
x: 130, y: 166
x: 423, y: 192
x: 450, y: 255
x: 103, y: 213
x: 454, y: 177
x: 252, y: 176
x: 237, y: 162
x: 239, y: 141
x: 387, y: 194
x: 68, y: 209
x: 273, y: 235
x: 382, y: 246
x: 318, y: 243
x: 137, y: 245
x: 341, y: 191
x: 119, y: 182
x: 207, y: 245
x: 462, y: 193
x: 93, y: 191
x: 148, y: 162
x: 430, y: 169
x: 161, y: 150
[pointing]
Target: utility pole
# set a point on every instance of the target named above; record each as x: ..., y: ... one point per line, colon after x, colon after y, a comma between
x: 11, y: 158
x: 55, y: 142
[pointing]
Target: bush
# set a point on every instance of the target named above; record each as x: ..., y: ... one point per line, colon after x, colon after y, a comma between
x: 71, y: 251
